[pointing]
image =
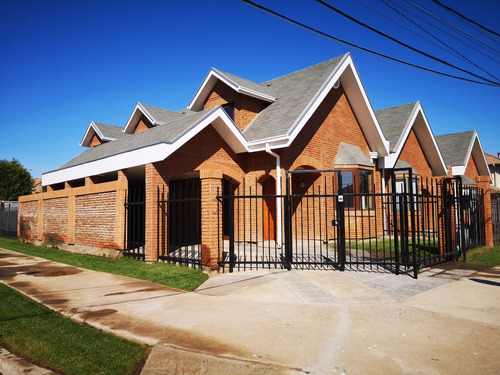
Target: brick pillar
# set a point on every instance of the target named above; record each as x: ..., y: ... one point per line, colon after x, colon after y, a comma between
x: 121, y: 196
x: 40, y: 219
x: 483, y: 183
x: 153, y: 179
x: 211, y: 216
x: 71, y: 220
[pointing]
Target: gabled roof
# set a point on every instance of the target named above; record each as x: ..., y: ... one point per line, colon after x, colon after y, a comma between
x: 149, y: 146
x: 105, y: 132
x: 492, y: 159
x: 238, y: 84
x: 457, y: 149
x: 300, y: 94
x: 397, y: 122
x: 156, y: 115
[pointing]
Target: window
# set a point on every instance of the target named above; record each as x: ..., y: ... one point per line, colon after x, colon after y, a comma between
x: 402, y: 187
x: 357, y: 181
x: 229, y: 108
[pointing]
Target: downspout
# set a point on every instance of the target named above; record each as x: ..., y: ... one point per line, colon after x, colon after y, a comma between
x: 278, y: 193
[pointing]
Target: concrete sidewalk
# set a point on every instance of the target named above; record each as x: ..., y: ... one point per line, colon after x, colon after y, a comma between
x: 316, y: 322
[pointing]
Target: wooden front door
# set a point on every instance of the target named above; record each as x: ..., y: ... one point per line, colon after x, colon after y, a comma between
x: 269, y: 208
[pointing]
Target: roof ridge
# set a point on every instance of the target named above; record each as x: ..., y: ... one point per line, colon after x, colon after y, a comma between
x: 306, y: 68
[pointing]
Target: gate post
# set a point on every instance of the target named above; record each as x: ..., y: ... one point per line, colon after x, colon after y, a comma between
x: 341, y: 232
x: 288, y: 226
x: 211, y: 214
x: 230, y: 202
x: 484, y: 184
x: 395, y: 220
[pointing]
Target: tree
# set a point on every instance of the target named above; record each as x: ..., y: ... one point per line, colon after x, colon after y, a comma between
x: 15, y: 180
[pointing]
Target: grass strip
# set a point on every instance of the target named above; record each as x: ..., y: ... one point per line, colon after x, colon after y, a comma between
x: 53, y: 341
x: 487, y: 256
x: 160, y: 273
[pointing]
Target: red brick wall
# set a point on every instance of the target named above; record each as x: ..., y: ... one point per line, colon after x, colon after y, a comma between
x: 55, y: 223
x: 245, y: 107
x: 144, y: 124
x: 95, y: 141
x: 95, y: 220
x: 471, y: 169
x: 333, y: 122
x: 413, y: 154
x: 28, y: 220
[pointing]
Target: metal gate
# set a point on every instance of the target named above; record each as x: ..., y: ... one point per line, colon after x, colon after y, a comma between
x: 326, y: 222
x: 135, y: 223
x: 179, y: 222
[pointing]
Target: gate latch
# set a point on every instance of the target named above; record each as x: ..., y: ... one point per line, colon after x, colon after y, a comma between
x: 335, y: 223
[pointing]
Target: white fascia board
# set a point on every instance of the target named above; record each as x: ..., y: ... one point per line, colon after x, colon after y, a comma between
x: 88, y: 135
x: 124, y: 160
x: 432, y: 152
x: 484, y: 164
x: 363, y: 109
x: 256, y: 94
x: 134, y: 119
x: 150, y: 154
x: 207, y: 85
x: 209, y: 82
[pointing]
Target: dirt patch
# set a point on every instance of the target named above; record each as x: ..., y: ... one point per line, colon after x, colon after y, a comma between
x: 150, y: 289
x: 58, y: 301
x: 97, y: 314
x: 182, y: 338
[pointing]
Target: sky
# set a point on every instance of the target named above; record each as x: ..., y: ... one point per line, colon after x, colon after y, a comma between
x: 66, y: 63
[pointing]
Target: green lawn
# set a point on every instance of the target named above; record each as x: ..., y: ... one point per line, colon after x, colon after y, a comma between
x: 52, y: 341
x: 160, y: 273
x: 488, y: 256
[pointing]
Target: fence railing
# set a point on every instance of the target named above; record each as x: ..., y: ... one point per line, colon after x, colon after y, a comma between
x: 8, y: 219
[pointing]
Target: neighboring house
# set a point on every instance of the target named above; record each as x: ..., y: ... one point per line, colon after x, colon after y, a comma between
x: 464, y: 156
x: 494, y: 166
x: 317, y: 118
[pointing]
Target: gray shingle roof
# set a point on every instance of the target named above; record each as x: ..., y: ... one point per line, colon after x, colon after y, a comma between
x: 454, y: 147
x: 160, y: 134
x: 243, y: 82
x: 393, y: 121
x: 294, y: 92
x: 165, y: 116
x: 404, y: 164
x: 110, y: 131
x: 351, y: 155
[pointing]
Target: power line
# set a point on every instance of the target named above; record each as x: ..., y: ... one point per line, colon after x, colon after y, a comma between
x: 453, y: 27
x: 439, y: 40
x: 331, y: 7
x: 466, y: 18
x: 443, y: 23
x: 338, y: 40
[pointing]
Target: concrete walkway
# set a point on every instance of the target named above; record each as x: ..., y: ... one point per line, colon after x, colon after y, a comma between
x: 280, y: 322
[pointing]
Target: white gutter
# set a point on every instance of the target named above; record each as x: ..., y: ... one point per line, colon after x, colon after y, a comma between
x: 279, y: 241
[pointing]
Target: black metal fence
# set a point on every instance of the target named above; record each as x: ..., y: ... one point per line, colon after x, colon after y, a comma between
x: 315, y: 223
x: 179, y: 222
x: 135, y: 216
x: 8, y: 219
x: 495, y: 216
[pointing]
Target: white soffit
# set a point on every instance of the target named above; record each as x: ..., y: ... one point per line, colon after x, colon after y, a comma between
x: 153, y: 153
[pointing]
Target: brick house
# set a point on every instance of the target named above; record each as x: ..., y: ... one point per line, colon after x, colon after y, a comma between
x: 317, y: 118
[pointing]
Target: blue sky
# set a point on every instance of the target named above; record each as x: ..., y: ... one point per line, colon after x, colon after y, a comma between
x: 66, y: 63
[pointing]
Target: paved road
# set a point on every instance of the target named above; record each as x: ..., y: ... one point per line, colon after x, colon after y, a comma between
x: 280, y: 322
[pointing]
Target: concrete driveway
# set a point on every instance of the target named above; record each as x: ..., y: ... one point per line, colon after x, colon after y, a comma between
x: 280, y: 322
